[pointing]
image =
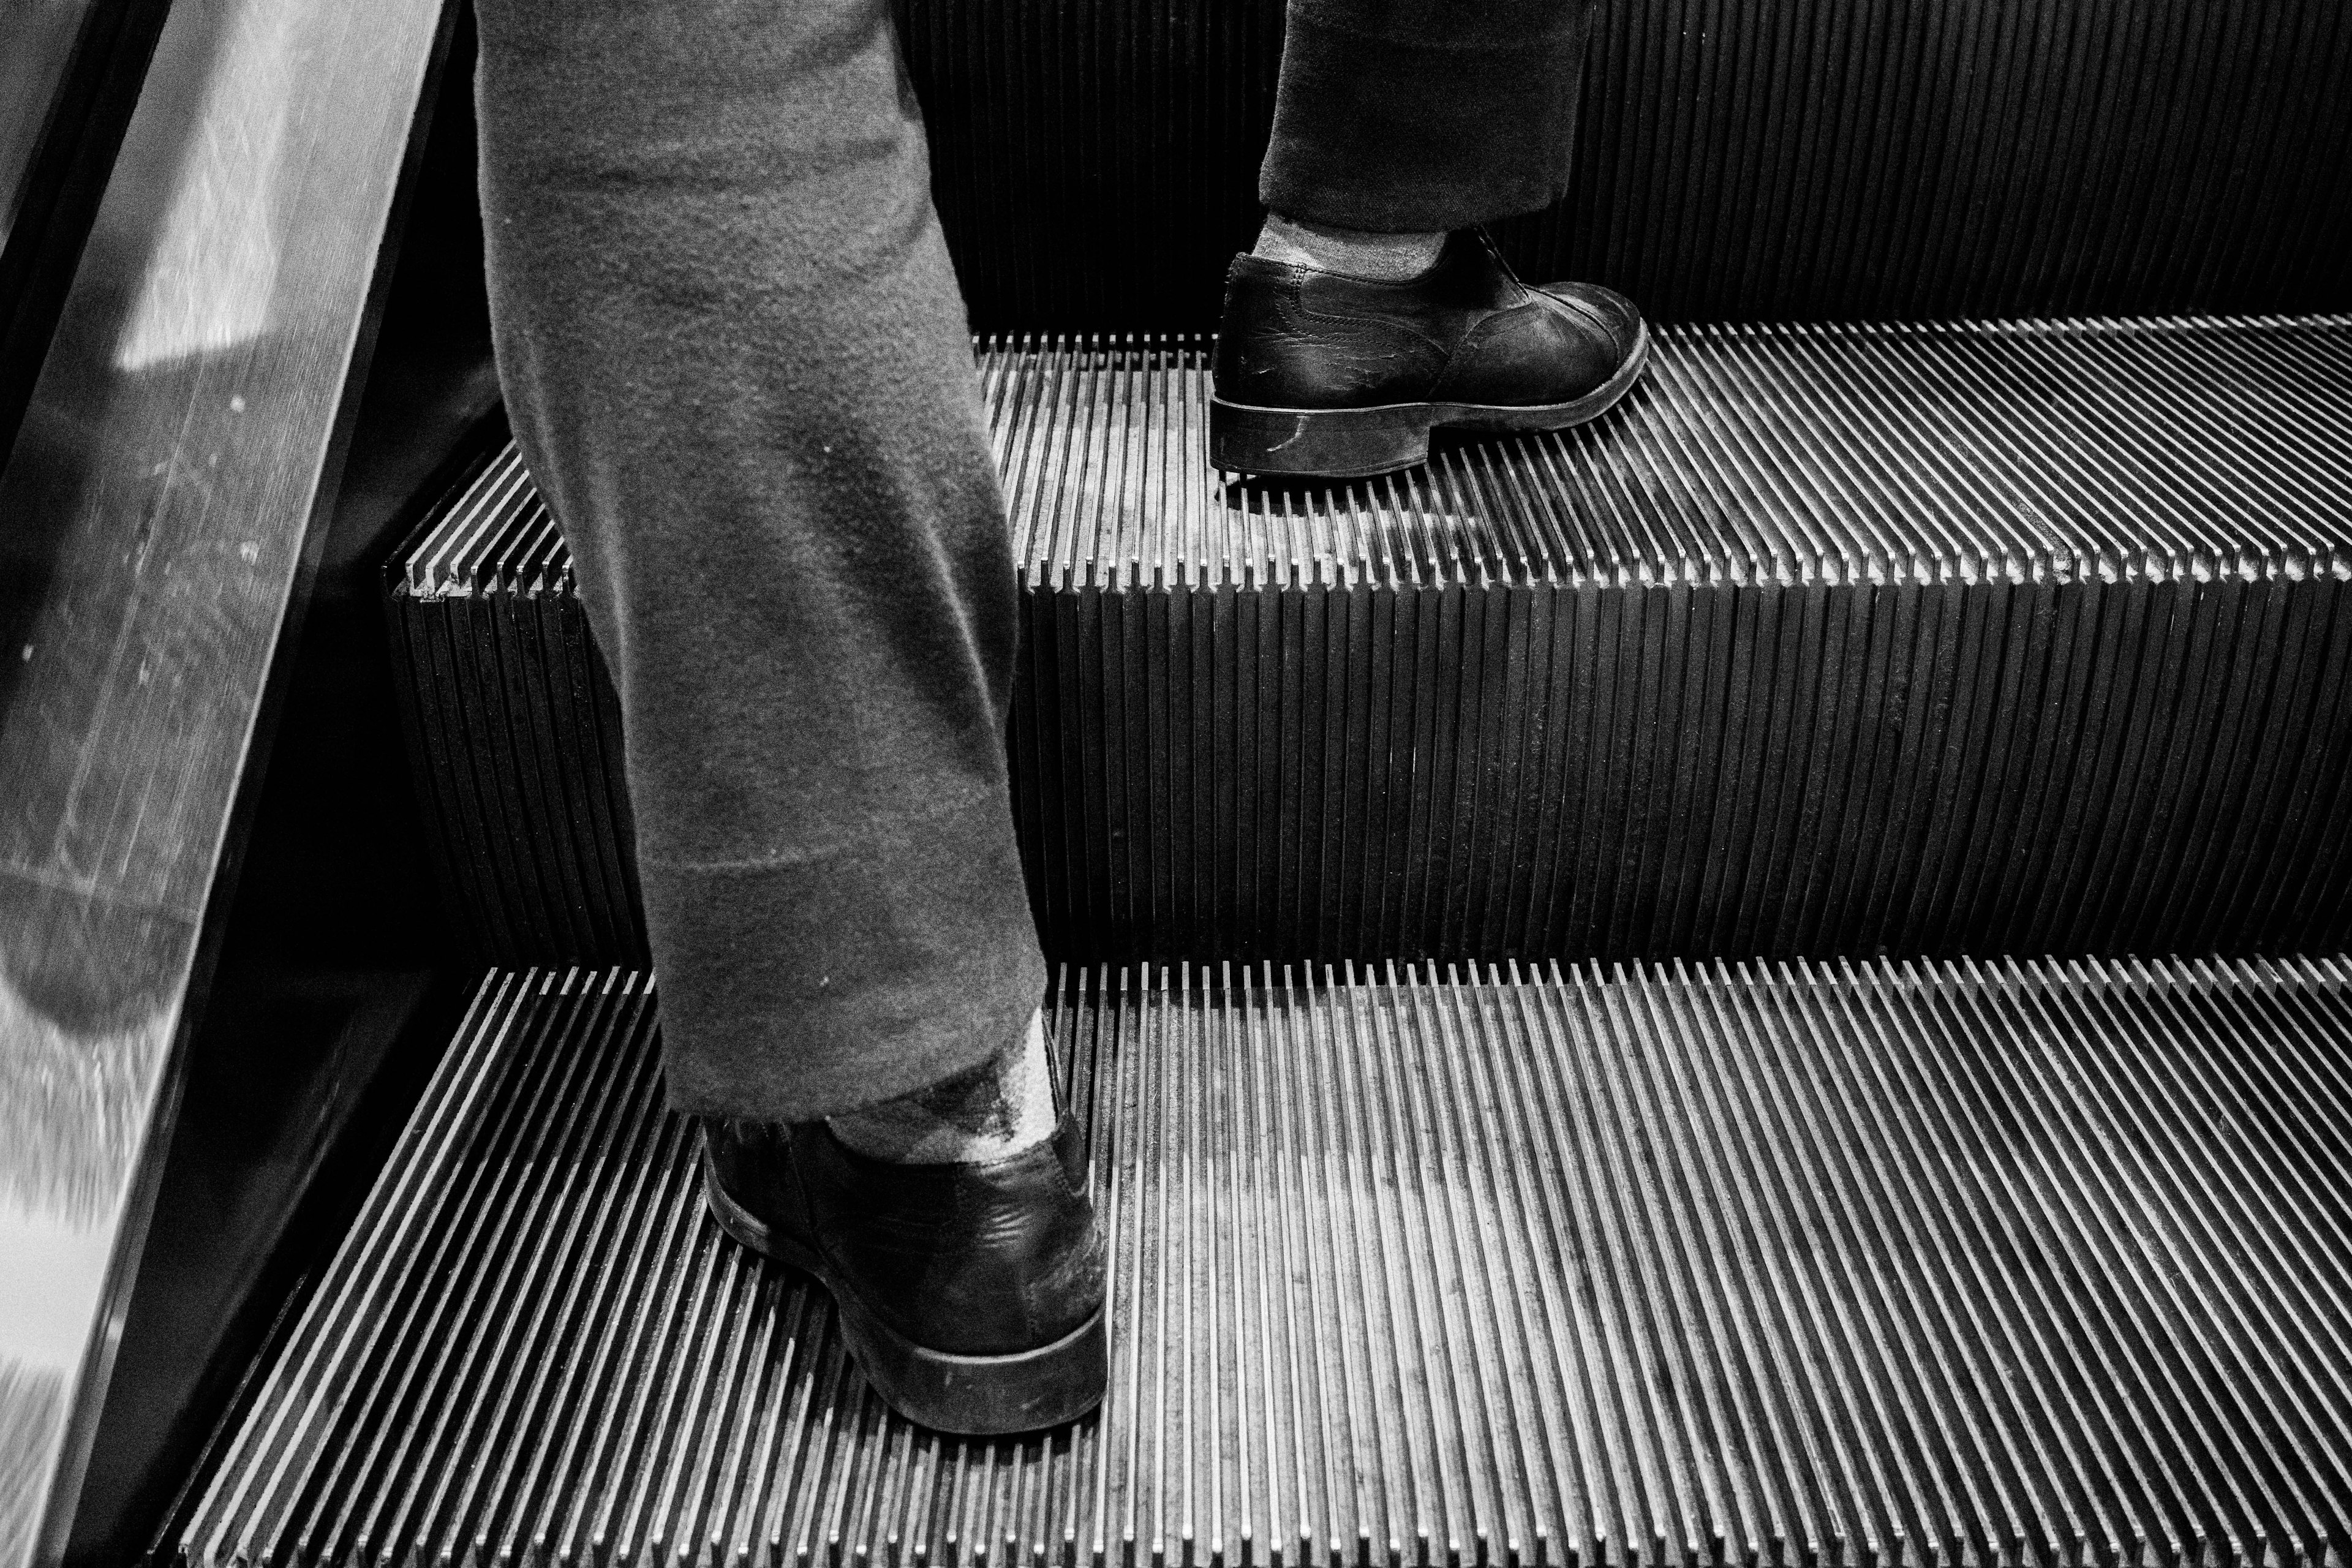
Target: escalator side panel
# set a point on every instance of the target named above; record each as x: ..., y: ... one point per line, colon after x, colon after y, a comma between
x: 162, y: 513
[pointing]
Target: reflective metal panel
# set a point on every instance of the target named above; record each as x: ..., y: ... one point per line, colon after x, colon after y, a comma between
x: 36, y: 45
x: 155, y: 519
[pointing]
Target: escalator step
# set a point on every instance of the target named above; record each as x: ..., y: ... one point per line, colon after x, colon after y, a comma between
x: 1973, y: 1262
x: 2012, y: 638
x: 515, y: 731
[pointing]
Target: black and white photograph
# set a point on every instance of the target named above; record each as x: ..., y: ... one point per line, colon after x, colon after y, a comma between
x: 1175, y: 783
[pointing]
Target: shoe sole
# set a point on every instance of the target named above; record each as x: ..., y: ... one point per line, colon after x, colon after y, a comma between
x: 966, y: 1395
x: 1358, y: 443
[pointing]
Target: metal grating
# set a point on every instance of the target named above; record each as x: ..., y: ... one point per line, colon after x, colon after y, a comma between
x: 2030, y: 451
x: 2024, y: 452
x: 2000, y: 1263
x: 2027, y: 637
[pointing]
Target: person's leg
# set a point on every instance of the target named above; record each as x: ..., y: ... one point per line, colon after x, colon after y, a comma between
x: 738, y: 366
x: 1422, y: 116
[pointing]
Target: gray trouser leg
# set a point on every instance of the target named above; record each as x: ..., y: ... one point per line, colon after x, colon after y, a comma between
x: 737, y: 362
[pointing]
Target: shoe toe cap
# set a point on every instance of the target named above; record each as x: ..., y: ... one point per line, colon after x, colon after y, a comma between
x: 1615, y: 313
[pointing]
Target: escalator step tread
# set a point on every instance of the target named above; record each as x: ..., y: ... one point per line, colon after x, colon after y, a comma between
x: 1762, y: 453
x: 1987, y: 1261
x: 1754, y: 453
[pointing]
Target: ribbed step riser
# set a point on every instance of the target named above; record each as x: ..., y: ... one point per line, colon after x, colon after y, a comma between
x: 1854, y: 640
x: 1806, y: 159
x: 2082, y: 767
x: 514, y: 734
x: 1967, y: 1264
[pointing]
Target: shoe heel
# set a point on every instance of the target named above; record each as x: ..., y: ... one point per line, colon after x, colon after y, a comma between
x: 981, y: 1396
x: 1333, y: 443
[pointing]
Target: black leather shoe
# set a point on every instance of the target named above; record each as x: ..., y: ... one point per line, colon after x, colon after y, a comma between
x: 970, y: 1295
x: 1318, y: 374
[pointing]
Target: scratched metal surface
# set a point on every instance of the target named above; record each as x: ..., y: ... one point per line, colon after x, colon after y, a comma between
x: 40, y: 36
x: 154, y: 522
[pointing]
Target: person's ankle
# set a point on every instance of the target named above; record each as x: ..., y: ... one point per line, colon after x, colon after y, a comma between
x: 1352, y: 253
x: 991, y: 1111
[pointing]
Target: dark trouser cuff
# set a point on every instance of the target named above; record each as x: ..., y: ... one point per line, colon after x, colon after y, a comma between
x: 1406, y: 117
x: 795, y: 991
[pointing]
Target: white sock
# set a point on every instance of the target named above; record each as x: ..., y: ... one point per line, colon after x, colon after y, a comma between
x: 1352, y: 253
x: 991, y: 1111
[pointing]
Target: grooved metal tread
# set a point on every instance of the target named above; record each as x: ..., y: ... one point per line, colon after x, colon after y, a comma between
x: 1798, y: 454
x: 1858, y: 1264
x: 1801, y: 453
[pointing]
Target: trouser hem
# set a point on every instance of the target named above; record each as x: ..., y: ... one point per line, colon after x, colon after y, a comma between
x: 795, y: 992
